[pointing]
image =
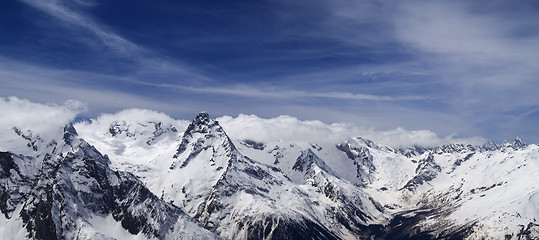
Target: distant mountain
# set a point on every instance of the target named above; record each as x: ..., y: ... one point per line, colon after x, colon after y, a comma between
x: 148, y: 176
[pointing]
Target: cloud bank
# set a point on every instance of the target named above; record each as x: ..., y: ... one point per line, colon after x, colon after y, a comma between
x: 290, y: 129
x: 134, y: 117
x: 44, y: 120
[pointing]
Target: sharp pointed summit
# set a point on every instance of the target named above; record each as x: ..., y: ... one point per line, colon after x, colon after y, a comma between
x: 200, y: 134
x: 69, y: 133
x: 515, y: 144
x: 202, y: 117
x: 202, y: 123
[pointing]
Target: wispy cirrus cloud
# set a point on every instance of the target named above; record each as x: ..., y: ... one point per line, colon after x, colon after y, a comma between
x: 249, y: 91
x: 483, y: 56
x: 38, y: 83
x: 63, y: 11
x: 148, y: 63
x: 488, y: 54
x: 41, y: 84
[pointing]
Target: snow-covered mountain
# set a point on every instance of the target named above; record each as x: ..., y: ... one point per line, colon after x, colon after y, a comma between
x: 305, y: 187
x: 238, y: 197
x: 140, y: 174
x: 61, y: 187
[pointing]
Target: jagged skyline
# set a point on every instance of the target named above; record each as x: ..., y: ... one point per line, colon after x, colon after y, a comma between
x: 140, y: 174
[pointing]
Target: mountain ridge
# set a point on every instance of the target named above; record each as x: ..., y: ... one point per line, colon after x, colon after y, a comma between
x: 283, y: 156
x: 214, y: 185
x: 61, y: 194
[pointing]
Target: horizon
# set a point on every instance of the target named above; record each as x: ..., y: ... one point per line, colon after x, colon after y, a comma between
x: 450, y: 139
x: 46, y: 120
x: 455, y: 68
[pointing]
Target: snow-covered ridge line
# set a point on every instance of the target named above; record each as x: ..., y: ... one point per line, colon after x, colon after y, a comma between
x: 393, y: 180
x: 150, y: 176
x: 61, y: 187
x: 287, y: 128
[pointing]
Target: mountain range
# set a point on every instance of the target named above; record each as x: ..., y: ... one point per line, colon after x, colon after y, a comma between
x: 154, y: 177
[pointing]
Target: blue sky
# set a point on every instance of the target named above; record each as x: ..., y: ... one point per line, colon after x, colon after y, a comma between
x: 454, y: 67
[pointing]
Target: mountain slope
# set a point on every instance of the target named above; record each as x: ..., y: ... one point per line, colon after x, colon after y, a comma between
x: 62, y: 188
x: 232, y: 194
x: 228, y: 182
x: 264, y: 186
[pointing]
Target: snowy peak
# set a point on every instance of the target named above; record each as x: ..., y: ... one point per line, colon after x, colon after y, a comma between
x: 202, y: 118
x: 426, y: 170
x: 366, y: 142
x: 328, y: 188
x: 202, y: 123
x: 515, y: 144
x: 489, y: 146
x: 69, y: 134
x: 150, y: 131
x: 454, y: 148
x: 66, y: 190
x: 200, y: 135
x: 203, y: 158
x: 29, y: 143
x: 413, y: 151
x: 236, y: 196
x: 309, y: 163
x: 362, y: 159
x: 33, y: 141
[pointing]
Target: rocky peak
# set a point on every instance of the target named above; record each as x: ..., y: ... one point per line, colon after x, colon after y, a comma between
x: 454, y: 148
x: 202, y: 123
x: 489, y: 146
x: 515, y: 144
x: 59, y: 193
x: 69, y: 133
x: 202, y: 134
x: 426, y: 170
x: 413, y: 151
x: 202, y: 117
x: 308, y: 160
x: 362, y: 159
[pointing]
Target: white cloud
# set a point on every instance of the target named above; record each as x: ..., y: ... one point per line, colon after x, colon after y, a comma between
x: 44, y: 120
x: 290, y: 129
x: 461, y: 32
x: 401, y: 137
x: 137, y: 122
x: 283, y: 128
x: 479, y: 59
x: 102, y: 123
x: 47, y: 119
x: 248, y: 91
x: 42, y: 84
